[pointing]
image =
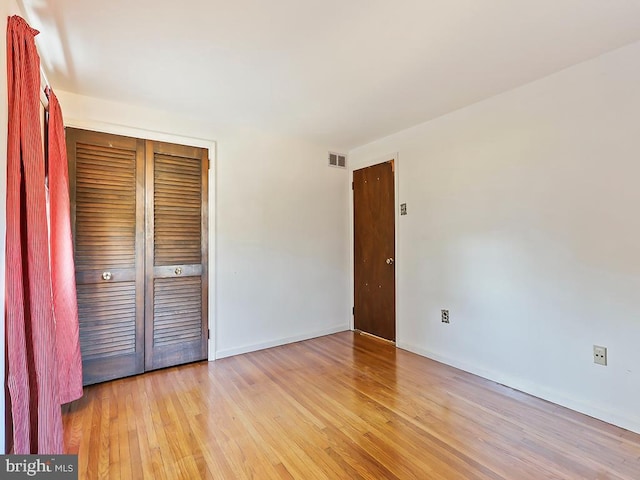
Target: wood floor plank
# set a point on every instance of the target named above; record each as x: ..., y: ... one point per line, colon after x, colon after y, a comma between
x: 341, y: 406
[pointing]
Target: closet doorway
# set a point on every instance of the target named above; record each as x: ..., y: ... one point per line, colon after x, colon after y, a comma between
x: 139, y: 213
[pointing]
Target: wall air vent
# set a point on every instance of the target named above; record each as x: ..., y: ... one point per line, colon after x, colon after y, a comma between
x: 337, y: 160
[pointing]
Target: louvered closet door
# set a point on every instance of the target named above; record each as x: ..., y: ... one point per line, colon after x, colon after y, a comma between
x: 107, y: 196
x: 176, y: 264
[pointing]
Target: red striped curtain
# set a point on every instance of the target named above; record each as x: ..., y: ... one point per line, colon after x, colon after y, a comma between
x: 63, y: 279
x: 32, y: 350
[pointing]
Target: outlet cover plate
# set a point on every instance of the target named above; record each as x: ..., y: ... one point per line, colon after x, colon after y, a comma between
x: 444, y: 315
x: 600, y: 355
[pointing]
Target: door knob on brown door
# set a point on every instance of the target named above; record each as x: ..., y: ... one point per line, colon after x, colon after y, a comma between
x: 389, y: 261
x: 106, y: 275
x: 178, y: 271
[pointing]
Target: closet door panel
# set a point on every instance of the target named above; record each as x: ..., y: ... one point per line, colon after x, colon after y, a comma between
x: 176, y: 250
x: 107, y: 202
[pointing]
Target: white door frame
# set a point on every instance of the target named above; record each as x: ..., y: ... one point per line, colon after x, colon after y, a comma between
x: 210, y: 145
x: 398, y: 259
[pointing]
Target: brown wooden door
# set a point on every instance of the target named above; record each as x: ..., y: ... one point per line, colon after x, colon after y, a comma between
x: 176, y: 250
x: 374, y: 250
x: 107, y: 202
x: 140, y: 227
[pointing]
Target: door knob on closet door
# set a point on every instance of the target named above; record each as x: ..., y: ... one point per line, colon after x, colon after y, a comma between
x: 106, y: 275
x: 389, y: 261
x: 178, y: 271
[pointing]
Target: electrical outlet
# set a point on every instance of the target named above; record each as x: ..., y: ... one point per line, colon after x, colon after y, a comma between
x: 444, y: 315
x: 600, y: 355
x: 403, y: 209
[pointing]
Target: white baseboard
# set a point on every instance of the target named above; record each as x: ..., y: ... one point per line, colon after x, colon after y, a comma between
x: 229, y: 352
x: 628, y: 422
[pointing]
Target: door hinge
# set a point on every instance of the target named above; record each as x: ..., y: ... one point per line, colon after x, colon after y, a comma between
x: 352, y: 186
x: 353, y: 311
x: 208, y: 334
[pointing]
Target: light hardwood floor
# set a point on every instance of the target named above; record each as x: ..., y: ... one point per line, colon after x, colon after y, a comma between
x: 341, y: 406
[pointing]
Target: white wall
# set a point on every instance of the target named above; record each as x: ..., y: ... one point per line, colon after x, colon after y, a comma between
x: 280, y: 229
x: 282, y: 243
x: 523, y: 220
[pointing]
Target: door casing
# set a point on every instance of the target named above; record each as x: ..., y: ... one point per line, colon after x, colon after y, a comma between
x: 119, y: 214
x: 210, y: 145
x: 398, y: 254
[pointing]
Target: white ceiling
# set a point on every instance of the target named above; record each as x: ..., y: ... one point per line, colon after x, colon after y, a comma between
x: 340, y: 72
